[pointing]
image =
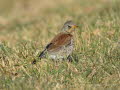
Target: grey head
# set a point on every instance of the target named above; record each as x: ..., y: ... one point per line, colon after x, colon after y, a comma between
x: 68, y: 26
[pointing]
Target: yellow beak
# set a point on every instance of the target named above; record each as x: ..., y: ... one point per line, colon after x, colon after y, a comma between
x: 75, y: 26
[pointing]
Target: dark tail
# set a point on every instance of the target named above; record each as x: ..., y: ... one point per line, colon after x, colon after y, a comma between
x: 42, y: 54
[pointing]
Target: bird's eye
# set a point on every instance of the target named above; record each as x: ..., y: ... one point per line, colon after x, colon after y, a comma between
x: 69, y: 27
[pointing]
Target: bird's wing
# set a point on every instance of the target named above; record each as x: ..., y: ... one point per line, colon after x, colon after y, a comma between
x: 60, y: 40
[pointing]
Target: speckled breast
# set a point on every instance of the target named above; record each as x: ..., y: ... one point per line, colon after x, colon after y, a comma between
x: 63, y: 52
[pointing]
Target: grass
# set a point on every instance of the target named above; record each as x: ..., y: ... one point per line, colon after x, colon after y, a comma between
x: 96, y: 56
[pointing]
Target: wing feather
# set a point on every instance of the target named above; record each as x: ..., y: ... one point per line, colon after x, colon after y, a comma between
x: 60, y: 40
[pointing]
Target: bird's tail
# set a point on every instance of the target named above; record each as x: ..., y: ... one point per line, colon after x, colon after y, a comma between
x: 42, y: 54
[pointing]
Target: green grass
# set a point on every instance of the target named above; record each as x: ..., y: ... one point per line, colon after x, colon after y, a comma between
x: 96, y: 56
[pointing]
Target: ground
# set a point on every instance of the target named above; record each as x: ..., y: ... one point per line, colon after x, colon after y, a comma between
x: 27, y: 26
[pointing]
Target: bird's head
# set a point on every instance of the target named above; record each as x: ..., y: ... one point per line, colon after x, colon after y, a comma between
x: 69, y: 27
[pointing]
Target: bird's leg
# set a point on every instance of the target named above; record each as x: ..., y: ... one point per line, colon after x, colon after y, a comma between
x: 69, y: 58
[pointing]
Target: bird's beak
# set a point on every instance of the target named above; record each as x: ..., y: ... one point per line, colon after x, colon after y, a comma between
x: 75, y: 26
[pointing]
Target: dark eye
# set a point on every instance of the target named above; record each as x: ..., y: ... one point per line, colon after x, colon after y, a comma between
x: 69, y: 27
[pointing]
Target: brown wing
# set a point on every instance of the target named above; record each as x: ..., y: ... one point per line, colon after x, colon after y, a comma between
x: 60, y: 40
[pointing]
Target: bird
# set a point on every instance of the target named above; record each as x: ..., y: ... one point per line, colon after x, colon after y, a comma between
x: 62, y: 45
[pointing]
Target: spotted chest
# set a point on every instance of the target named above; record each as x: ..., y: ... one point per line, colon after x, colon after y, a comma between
x: 63, y: 52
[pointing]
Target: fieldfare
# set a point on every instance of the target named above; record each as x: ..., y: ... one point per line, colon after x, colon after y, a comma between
x: 62, y: 45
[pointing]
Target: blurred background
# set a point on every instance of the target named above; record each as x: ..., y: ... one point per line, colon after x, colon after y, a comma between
x: 16, y: 15
x: 33, y: 9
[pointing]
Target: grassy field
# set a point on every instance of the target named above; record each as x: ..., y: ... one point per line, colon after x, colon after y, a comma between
x: 26, y: 26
